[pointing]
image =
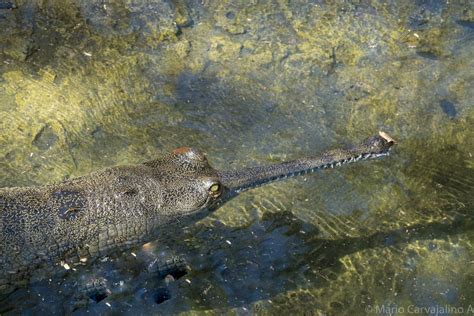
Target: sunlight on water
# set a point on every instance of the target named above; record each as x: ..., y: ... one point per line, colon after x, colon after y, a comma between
x: 86, y: 85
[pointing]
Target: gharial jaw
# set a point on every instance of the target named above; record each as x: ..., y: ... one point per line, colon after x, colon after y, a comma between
x: 235, y: 182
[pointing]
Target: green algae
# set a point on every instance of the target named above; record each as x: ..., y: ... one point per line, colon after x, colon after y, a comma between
x: 120, y: 82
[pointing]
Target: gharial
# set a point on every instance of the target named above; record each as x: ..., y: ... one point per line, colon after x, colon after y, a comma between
x: 120, y: 207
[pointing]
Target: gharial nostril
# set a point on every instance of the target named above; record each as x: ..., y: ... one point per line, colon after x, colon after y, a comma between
x: 387, y: 137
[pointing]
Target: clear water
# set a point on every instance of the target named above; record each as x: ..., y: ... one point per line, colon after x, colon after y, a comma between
x: 86, y: 85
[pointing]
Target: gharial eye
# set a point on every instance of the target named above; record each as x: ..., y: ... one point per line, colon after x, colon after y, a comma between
x: 215, y: 190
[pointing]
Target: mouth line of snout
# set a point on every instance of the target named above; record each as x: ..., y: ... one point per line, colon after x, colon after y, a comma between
x: 241, y: 180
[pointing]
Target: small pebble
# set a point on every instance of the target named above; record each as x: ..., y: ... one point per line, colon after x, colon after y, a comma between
x: 169, y: 278
x: 65, y: 266
x: 147, y: 247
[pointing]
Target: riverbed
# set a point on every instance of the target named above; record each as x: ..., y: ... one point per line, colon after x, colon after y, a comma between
x: 86, y: 85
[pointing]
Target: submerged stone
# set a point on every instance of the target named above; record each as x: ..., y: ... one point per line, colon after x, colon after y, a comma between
x: 448, y: 108
x: 427, y: 55
x: 465, y: 23
x: 45, y: 138
x: 161, y: 295
x: 7, y: 5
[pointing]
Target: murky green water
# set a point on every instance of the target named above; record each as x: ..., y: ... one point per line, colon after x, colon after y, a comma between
x: 86, y: 85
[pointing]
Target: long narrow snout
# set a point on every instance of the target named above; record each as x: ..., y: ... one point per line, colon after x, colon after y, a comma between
x: 241, y: 180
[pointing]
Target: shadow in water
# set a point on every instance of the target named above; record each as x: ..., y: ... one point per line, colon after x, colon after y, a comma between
x: 230, y: 267
x: 280, y: 253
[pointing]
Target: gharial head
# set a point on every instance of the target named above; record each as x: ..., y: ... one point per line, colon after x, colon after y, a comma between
x: 197, y: 186
x: 191, y: 183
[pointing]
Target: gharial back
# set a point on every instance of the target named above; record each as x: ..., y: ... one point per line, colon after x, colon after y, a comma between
x: 74, y: 220
x: 32, y: 230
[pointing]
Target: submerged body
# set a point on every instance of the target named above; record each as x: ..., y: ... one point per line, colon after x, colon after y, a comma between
x: 120, y: 207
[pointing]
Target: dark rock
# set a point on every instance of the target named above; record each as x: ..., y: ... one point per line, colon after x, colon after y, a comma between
x: 161, y: 295
x: 468, y: 24
x: 10, y: 156
x: 45, y: 138
x: 7, y: 5
x: 98, y: 133
x: 98, y: 296
x: 448, y: 108
x: 427, y: 55
x: 96, y: 290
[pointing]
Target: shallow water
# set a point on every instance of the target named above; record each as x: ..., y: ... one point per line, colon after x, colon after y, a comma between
x: 86, y: 85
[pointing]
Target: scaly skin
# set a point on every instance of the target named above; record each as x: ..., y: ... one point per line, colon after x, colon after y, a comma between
x: 120, y: 207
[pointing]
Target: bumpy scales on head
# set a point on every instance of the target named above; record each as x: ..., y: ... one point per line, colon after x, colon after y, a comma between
x: 120, y: 207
